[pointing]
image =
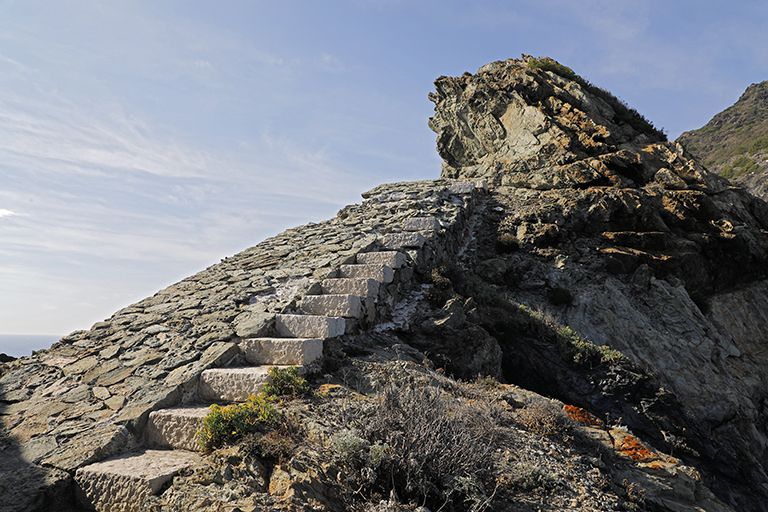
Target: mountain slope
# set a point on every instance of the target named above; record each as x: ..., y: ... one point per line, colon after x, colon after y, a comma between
x: 734, y: 143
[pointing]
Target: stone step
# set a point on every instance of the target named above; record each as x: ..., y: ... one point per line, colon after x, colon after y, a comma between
x: 309, y: 326
x: 348, y: 306
x: 402, y: 240
x: 176, y: 427
x: 122, y: 483
x: 359, y: 287
x: 421, y: 224
x: 233, y: 384
x: 394, y: 259
x: 381, y: 273
x: 282, y: 351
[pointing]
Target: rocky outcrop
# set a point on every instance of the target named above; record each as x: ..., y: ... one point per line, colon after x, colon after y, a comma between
x: 547, y: 198
x: 629, y: 242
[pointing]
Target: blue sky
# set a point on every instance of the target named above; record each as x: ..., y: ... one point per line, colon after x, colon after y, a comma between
x: 142, y: 141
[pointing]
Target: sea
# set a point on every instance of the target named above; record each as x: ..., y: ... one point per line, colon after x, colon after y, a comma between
x: 18, y: 345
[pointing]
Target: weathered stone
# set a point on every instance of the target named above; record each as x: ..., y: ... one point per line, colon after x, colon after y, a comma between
x: 232, y: 384
x: 176, y: 427
x: 348, y: 306
x: 282, y: 351
x: 421, y: 224
x: 394, y: 259
x: 253, y: 323
x: 309, y: 326
x: 394, y: 241
x: 381, y: 273
x: 359, y: 287
x: 92, y: 445
x: 120, y: 484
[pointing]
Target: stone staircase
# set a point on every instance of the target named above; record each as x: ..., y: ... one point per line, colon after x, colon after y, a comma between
x: 344, y: 304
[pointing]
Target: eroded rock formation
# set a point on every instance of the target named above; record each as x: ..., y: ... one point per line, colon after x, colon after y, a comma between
x: 656, y: 257
x: 548, y: 199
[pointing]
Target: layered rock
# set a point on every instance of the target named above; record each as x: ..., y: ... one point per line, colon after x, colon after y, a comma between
x: 628, y: 241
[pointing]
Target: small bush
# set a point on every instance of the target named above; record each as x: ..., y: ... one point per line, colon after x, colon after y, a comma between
x: 581, y: 352
x: 544, y: 418
x: 223, y: 425
x: 530, y: 479
x: 286, y: 382
x: 275, y: 445
x: 419, y: 445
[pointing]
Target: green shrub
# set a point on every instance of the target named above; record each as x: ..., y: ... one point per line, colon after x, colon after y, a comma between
x: 285, y: 382
x: 581, y: 352
x: 758, y: 145
x: 225, y: 424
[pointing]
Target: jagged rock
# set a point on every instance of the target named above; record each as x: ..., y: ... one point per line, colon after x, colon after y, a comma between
x: 646, y: 245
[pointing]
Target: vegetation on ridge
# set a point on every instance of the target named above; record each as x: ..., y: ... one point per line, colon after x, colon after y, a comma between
x: 624, y: 112
x: 734, y: 142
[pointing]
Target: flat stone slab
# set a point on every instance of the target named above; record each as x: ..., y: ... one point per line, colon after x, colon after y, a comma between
x: 345, y: 305
x: 282, y: 351
x: 176, y: 427
x: 121, y: 484
x: 360, y: 287
x: 465, y: 187
x: 233, y: 384
x: 381, y: 273
x: 309, y: 326
x: 402, y: 240
x: 394, y: 259
x: 421, y: 224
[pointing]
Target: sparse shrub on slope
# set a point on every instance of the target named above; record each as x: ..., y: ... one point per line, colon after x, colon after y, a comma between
x: 419, y: 445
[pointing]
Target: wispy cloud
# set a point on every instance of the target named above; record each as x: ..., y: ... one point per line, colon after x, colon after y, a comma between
x: 6, y: 213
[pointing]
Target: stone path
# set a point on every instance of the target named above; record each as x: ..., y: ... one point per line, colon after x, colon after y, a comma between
x: 344, y: 304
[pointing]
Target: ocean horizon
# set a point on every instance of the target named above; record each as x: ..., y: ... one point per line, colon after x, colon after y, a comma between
x: 20, y: 345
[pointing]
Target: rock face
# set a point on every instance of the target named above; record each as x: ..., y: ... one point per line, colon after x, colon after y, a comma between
x: 546, y: 198
x: 628, y: 241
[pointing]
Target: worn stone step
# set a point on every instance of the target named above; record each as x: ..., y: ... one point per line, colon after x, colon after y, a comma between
x: 233, y: 384
x: 359, y: 287
x: 309, y: 326
x: 120, y: 484
x: 381, y: 273
x: 421, y: 224
x: 175, y: 427
x: 402, y: 240
x: 394, y: 259
x: 345, y: 305
x: 282, y: 351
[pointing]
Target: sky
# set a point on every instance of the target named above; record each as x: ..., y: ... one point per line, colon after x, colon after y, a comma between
x: 143, y: 141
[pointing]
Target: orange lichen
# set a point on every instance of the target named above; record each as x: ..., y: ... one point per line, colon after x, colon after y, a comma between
x: 631, y: 447
x: 580, y: 415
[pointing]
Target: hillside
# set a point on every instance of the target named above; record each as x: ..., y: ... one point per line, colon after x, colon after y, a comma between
x: 734, y: 143
x: 571, y: 317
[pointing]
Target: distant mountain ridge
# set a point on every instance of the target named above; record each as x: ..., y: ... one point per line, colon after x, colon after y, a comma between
x: 734, y: 143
